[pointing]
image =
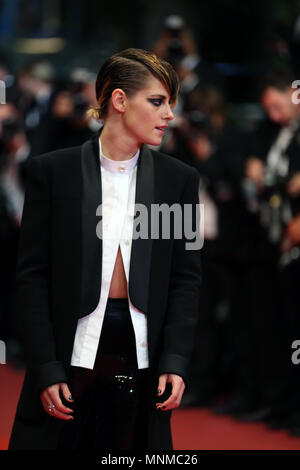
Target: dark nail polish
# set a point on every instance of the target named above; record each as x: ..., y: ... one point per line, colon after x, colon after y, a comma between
x: 158, y: 392
x: 70, y: 397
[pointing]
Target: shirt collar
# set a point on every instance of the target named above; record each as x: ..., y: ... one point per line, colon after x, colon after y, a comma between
x: 123, y: 166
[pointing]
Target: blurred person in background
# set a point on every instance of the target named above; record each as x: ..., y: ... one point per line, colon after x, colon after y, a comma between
x: 14, y: 152
x: 273, y: 188
x: 209, y: 141
x: 178, y: 46
x: 8, y: 77
x: 69, y: 124
x: 35, y: 81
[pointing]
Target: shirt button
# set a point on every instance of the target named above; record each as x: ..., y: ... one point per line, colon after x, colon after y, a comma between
x: 121, y: 169
x: 144, y: 344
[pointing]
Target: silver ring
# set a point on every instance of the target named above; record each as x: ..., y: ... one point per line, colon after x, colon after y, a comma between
x: 50, y: 407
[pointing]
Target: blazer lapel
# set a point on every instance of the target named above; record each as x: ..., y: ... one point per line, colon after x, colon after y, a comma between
x: 141, y: 249
x: 91, y: 244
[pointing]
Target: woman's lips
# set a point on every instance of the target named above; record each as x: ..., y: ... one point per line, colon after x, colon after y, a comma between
x: 161, y: 129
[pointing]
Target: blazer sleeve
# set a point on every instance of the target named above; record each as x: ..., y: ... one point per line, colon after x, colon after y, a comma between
x: 184, y: 290
x: 33, y: 278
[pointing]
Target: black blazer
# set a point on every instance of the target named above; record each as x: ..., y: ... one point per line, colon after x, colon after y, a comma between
x: 59, y: 265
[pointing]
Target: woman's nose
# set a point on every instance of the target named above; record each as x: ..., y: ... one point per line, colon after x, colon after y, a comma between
x: 169, y: 113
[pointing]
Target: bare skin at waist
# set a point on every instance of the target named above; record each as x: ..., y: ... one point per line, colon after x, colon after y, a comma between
x: 118, y: 285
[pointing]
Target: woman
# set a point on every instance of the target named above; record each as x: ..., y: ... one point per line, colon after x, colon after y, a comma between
x: 107, y: 316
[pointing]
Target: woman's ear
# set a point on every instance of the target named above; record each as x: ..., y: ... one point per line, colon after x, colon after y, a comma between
x: 118, y: 100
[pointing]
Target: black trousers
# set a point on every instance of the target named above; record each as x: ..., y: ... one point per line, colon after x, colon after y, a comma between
x: 110, y: 401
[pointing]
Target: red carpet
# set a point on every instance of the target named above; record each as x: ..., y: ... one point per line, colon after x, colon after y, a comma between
x: 200, y: 429
x: 193, y: 428
x: 11, y: 382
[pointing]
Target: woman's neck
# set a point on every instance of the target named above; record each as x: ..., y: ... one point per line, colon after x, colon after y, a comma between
x: 116, y: 145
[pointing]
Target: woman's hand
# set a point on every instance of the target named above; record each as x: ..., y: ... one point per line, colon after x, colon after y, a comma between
x: 178, y: 387
x: 52, y: 403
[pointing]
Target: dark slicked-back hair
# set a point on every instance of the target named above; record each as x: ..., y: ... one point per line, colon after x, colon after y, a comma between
x: 129, y: 70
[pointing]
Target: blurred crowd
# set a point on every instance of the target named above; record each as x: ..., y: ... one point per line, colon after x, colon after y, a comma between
x: 250, y: 187
x: 43, y: 112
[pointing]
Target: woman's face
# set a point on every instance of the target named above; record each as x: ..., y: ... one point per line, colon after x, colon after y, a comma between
x: 148, y: 113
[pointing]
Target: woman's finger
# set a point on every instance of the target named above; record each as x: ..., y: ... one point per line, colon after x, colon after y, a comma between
x: 46, y: 400
x: 56, y: 400
x: 66, y: 392
x: 174, y: 399
x: 162, y: 381
x: 58, y: 414
x: 49, y: 407
x: 52, y: 403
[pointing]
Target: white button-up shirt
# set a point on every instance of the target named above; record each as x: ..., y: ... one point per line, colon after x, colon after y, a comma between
x: 118, y: 198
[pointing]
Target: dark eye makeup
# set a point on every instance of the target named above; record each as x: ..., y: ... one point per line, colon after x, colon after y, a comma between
x: 155, y: 101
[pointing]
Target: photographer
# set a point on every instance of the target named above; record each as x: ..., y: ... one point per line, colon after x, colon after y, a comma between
x: 209, y: 141
x: 177, y: 44
x: 273, y: 171
x: 69, y: 124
